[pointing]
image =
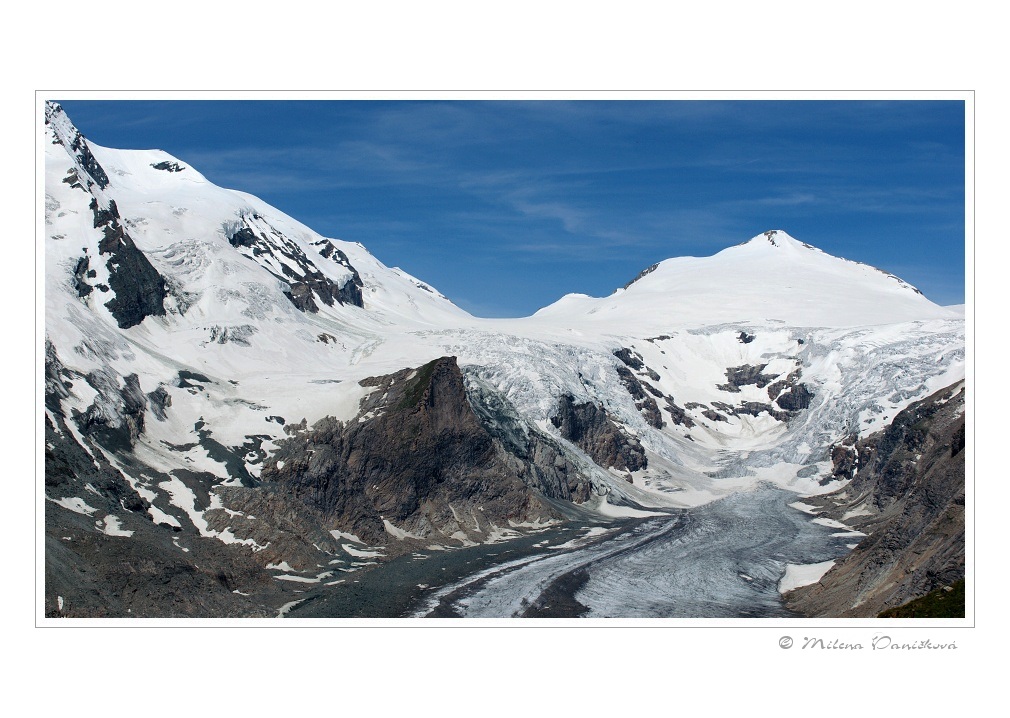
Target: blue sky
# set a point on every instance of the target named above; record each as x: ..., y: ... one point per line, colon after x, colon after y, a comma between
x: 506, y: 206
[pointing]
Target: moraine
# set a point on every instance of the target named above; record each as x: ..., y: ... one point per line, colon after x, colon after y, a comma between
x: 722, y: 560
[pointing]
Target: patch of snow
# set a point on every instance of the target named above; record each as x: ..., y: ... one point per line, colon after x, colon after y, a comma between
x: 497, y: 534
x: 539, y: 523
x: 75, y: 504
x: 608, y: 509
x: 181, y: 496
x: 462, y: 538
x: 112, y: 526
x: 797, y: 575
x: 287, y: 607
x: 398, y: 533
x: 592, y: 532
x: 347, y: 536
x: 160, y: 517
x: 861, y: 511
x: 805, y: 508
x: 297, y: 579
x: 358, y: 553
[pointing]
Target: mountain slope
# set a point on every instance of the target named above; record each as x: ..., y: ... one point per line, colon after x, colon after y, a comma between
x: 907, y: 492
x: 227, y: 388
x: 771, y: 277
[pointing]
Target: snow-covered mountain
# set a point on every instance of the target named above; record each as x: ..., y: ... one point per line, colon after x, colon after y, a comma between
x: 224, y: 386
x: 771, y: 277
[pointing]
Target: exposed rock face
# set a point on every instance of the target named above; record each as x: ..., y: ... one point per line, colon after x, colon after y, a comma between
x: 71, y: 138
x: 116, y: 416
x: 907, y: 493
x: 350, y: 292
x: 168, y: 166
x: 630, y: 358
x: 645, y: 403
x: 132, y: 568
x: 140, y: 289
x: 83, y: 272
x: 739, y: 376
x: 648, y: 270
x: 588, y: 427
x: 420, y: 458
x: 57, y: 379
x: 159, y: 400
x: 637, y: 387
x: 795, y: 399
x: 283, y: 258
x: 790, y: 395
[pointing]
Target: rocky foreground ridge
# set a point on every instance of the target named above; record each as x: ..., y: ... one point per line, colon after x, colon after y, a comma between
x: 907, y: 492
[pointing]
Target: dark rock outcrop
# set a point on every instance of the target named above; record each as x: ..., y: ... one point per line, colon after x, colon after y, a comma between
x: 630, y: 358
x: 648, y: 270
x: 788, y: 394
x: 739, y: 376
x: 796, y: 399
x: 57, y: 384
x: 645, y: 403
x: 907, y: 493
x: 350, y: 292
x: 420, y: 457
x: 83, y: 272
x: 140, y: 290
x: 116, y: 416
x: 588, y: 427
x: 283, y: 258
x: 677, y: 414
x: 77, y: 147
x: 159, y: 400
x: 168, y: 166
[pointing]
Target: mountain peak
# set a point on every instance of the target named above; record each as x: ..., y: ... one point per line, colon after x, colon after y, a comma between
x: 778, y: 239
x: 771, y: 276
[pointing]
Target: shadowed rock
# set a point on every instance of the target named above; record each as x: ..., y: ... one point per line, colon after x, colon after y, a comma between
x: 588, y: 427
x: 908, y: 495
x: 421, y: 458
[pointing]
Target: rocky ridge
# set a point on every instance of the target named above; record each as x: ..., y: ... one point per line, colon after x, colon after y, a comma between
x: 418, y: 460
x: 907, y: 492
